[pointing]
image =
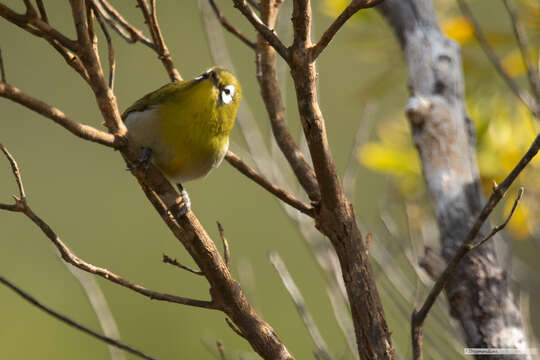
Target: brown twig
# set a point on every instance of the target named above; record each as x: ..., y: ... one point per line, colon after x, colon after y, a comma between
x: 226, y: 250
x: 72, y: 323
x: 22, y: 206
x: 42, y: 11
x: 296, y: 296
x: 234, y: 328
x: 37, y: 26
x: 81, y: 130
x: 271, y: 94
x: 265, y: 31
x: 15, y: 170
x: 419, y: 316
x: 150, y: 17
x: 109, y: 340
x: 281, y: 194
x: 2, y: 70
x: 110, y: 48
x: 521, y: 38
x: 168, y: 260
x: 329, y: 34
x: 522, y: 95
x: 130, y: 33
x: 230, y: 28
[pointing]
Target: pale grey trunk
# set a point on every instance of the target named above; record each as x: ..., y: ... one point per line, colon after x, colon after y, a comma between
x: 479, y: 293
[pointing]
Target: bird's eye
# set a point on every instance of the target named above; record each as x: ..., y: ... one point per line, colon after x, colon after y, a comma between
x: 227, y: 94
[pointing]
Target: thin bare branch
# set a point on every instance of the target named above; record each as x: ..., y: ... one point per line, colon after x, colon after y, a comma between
x: 130, y: 33
x: 72, y: 323
x: 150, y: 17
x: 226, y: 250
x: 83, y: 131
x: 16, y: 172
x: 110, y: 48
x: 281, y: 194
x: 296, y: 296
x: 230, y: 28
x: 37, y: 26
x: 268, y: 33
x: 234, y: 328
x: 268, y: 81
x: 169, y: 260
x: 353, y: 7
x: 521, y: 38
x: 499, y: 227
x: 419, y: 316
x: 2, y: 70
x: 512, y: 84
x: 42, y: 11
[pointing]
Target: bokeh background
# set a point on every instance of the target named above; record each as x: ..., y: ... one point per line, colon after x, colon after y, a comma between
x: 82, y: 190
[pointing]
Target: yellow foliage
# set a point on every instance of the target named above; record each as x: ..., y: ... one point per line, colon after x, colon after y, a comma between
x: 459, y: 29
x: 334, y: 7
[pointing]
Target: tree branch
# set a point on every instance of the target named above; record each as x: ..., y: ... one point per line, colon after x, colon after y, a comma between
x: 22, y: 206
x: 521, y: 38
x: 168, y: 260
x: 130, y: 33
x: 524, y: 96
x: 269, y: 34
x: 81, y: 130
x: 150, y: 17
x: 110, y: 48
x: 37, y: 26
x: 281, y: 194
x: 271, y: 94
x: 353, y: 7
x: 230, y: 28
x: 226, y: 250
x: 72, y: 323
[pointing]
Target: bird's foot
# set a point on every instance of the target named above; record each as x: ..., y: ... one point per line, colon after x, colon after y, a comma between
x: 186, y: 202
x: 144, y: 161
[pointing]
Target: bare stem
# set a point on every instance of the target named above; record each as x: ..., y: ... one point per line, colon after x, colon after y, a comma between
x: 329, y: 34
x: 281, y: 194
x: 229, y: 27
x: 72, y: 323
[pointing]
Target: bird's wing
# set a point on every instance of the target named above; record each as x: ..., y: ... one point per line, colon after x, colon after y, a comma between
x: 158, y: 96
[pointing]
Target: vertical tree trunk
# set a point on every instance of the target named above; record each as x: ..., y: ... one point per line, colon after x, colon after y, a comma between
x: 444, y: 135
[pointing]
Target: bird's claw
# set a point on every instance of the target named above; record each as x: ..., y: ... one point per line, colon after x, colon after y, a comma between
x: 186, y: 204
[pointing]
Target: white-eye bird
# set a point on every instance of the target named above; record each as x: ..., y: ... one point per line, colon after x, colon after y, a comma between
x: 183, y: 127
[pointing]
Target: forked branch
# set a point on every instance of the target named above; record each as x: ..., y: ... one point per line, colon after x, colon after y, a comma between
x: 21, y: 205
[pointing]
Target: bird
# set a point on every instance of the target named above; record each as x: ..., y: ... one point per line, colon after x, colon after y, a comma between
x: 183, y: 127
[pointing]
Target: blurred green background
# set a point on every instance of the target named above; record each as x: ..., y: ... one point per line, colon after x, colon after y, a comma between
x: 82, y: 190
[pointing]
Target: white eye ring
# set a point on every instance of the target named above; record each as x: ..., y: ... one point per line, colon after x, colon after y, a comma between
x: 227, y: 94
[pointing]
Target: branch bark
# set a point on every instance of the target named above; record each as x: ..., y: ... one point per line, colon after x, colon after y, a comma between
x: 479, y: 294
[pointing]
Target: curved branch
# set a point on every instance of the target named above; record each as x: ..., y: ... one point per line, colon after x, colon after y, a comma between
x: 329, y: 34
x: 150, y: 17
x: 81, y: 130
x: 36, y: 26
x: 269, y: 34
x: 230, y: 28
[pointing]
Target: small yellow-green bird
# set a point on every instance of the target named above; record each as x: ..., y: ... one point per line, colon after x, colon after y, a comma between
x: 183, y: 127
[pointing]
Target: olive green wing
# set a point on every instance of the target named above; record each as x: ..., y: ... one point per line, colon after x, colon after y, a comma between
x: 158, y: 96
